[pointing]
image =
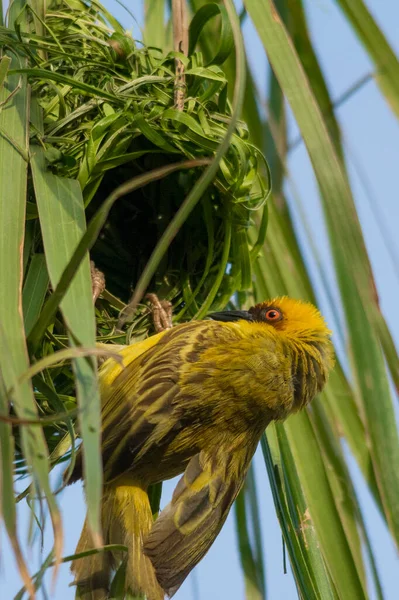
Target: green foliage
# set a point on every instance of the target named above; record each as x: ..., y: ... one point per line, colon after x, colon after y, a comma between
x: 108, y: 115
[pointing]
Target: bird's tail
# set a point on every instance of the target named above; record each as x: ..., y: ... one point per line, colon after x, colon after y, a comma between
x: 126, y: 520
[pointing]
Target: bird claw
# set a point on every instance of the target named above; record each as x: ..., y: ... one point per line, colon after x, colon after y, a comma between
x: 161, y: 312
x: 97, y: 281
x: 161, y: 309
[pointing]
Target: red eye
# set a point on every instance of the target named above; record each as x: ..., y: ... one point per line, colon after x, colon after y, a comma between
x: 272, y: 314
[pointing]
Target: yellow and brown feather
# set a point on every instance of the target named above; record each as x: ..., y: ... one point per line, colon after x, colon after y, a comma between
x: 197, y: 398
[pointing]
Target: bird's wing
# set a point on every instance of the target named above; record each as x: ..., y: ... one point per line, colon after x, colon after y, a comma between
x: 139, y: 403
x: 187, y: 527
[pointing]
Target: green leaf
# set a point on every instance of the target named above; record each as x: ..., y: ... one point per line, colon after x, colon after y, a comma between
x: 154, y: 28
x: 349, y: 254
x: 13, y: 351
x: 320, y: 502
x: 75, y: 84
x: 309, y: 569
x: 226, y: 36
x: 62, y: 221
x: 34, y: 291
x: 377, y: 46
x: 251, y: 555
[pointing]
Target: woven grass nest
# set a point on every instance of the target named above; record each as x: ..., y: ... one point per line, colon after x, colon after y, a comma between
x: 109, y: 115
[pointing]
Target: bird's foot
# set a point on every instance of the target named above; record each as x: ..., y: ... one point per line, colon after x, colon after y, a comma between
x: 161, y: 312
x: 97, y: 281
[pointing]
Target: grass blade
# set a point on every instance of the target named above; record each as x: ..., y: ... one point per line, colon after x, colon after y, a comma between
x: 349, y: 254
x: 246, y: 511
x: 13, y: 351
x: 62, y: 220
x: 154, y: 28
x: 377, y: 46
x: 34, y: 292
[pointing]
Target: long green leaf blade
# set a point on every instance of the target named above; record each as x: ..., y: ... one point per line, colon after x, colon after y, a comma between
x: 377, y: 46
x: 13, y: 352
x: 34, y: 292
x: 62, y: 220
x: 349, y: 254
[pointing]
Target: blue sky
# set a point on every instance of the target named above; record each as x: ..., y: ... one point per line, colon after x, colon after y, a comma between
x: 372, y: 133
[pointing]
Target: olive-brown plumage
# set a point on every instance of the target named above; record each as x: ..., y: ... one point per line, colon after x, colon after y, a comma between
x: 195, y: 398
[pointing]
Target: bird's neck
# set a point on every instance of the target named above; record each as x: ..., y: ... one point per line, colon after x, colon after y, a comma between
x: 308, y: 372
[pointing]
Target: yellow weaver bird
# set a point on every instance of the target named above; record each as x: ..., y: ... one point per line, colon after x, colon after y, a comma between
x: 195, y: 398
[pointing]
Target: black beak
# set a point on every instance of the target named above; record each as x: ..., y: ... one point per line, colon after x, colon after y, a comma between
x: 231, y: 315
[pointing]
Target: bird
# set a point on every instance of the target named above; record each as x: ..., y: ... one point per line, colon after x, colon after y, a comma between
x: 194, y: 400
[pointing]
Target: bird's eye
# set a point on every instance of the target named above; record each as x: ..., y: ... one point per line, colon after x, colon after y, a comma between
x: 273, y: 315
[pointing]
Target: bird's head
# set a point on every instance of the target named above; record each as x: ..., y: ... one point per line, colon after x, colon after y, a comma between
x: 303, y: 329
x: 294, y: 318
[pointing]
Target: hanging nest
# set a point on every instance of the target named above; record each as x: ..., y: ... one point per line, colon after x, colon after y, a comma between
x: 108, y: 106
